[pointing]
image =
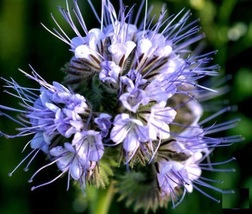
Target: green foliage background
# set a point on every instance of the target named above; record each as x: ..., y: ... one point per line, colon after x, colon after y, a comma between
x: 228, y: 28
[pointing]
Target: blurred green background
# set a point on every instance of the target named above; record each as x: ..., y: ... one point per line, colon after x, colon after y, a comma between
x: 228, y: 28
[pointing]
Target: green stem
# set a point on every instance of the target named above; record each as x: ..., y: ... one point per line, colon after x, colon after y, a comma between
x: 103, y: 200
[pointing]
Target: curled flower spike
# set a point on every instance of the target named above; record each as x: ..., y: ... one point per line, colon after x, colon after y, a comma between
x: 132, y: 95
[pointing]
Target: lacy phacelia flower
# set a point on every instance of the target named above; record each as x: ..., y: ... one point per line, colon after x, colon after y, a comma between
x: 133, y: 98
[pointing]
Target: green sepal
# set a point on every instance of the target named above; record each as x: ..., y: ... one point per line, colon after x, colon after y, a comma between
x: 140, y: 190
x: 100, y: 178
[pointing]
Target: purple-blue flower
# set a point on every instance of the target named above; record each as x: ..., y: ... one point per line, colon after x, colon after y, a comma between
x: 131, y: 95
x: 104, y: 123
x: 129, y: 131
x: 89, y: 145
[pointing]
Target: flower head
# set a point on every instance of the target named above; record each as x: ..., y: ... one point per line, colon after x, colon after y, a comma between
x: 132, y: 97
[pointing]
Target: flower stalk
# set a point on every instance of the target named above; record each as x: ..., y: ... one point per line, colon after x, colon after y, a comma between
x: 103, y: 200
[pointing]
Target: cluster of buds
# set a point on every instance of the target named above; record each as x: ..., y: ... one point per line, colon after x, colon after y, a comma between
x: 129, y: 108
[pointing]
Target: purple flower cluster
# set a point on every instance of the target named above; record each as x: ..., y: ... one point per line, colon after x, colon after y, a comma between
x: 132, y: 95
